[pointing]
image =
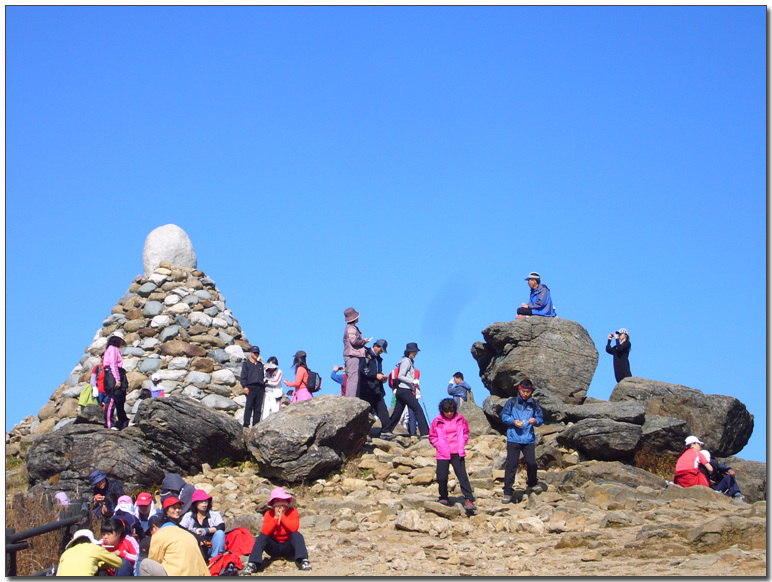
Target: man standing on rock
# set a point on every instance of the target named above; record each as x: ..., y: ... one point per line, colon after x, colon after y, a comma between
x: 371, y: 388
x: 353, y: 351
x: 540, y: 302
x: 520, y: 415
x: 253, y: 381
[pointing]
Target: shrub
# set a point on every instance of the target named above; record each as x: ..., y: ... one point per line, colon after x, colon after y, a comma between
x: 656, y: 462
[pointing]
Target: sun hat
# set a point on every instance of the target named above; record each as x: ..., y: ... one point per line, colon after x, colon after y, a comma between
x: 169, y: 501
x: 624, y: 331
x: 690, y: 440
x: 61, y: 497
x: 200, y: 495
x: 279, y: 493
x: 83, y: 533
x: 125, y: 503
x: 270, y: 366
x: 144, y: 498
x: 350, y: 314
x: 382, y: 343
x: 412, y: 347
x: 96, y: 477
x: 156, y: 377
x: 533, y: 275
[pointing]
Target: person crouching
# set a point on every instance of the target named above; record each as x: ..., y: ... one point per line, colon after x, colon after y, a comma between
x: 279, y: 535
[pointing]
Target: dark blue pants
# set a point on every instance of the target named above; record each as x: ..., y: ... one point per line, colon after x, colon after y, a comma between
x: 459, y: 468
x: 295, y: 546
x: 727, y: 486
x: 513, y: 459
x: 254, y: 405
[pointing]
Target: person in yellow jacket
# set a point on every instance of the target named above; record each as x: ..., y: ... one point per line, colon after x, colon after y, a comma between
x: 84, y: 556
x: 173, y: 550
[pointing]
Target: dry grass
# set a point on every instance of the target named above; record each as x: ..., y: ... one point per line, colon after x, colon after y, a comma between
x: 656, y: 462
x: 23, y: 513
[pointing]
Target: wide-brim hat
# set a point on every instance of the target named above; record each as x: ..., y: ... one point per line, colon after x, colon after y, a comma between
x: 279, y: 493
x: 96, y: 477
x: 83, y: 533
x: 351, y: 315
x: 61, y: 497
x: 412, y: 347
x: 533, y: 275
x: 120, y: 336
x: 200, y: 495
x: 270, y: 366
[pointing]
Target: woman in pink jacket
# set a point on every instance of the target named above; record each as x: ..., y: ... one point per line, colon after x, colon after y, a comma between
x: 301, y: 378
x: 449, y: 434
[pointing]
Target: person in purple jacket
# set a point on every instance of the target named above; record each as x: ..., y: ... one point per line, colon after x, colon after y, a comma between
x: 353, y: 350
x: 449, y: 434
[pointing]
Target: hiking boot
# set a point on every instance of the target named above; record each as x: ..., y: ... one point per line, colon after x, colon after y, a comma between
x: 304, y: 564
x: 507, y: 499
x: 251, y: 568
x: 538, y: 488
x: 444, y: 502
x: 469, y: 505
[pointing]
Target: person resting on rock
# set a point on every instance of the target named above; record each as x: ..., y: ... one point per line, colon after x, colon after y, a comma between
x: 173, y: 551
x: 85, y: 556
x: 687, y: 471
x: 280, y: 535
x: 174, y: 486
x: 116, y: 538
x: 449, y: 433
x: 722, y: 478
x: 106, y: 509
x: 206, y: 524
x: 459, y: 389
x: 540, y: 301
x: 124, y: 510
x: 101, y: 485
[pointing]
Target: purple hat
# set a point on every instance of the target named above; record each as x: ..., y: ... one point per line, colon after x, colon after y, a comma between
x: 61, y: 497
x: 350, y: 314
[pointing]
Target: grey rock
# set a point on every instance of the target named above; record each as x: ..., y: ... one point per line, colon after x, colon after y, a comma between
x: 132, y: 351
x: 225, y: 337
x: 576, y: 477
x: 662, y: 434
x: 207, y: 282
x: 235, y: 353
x: 193, y: 392
x: 149, y: 343
x: 91, y: 414
x: 182, y: 321
x: 152, y: 308
x: 602, y: 439
x: 190, y: 300
x: 224, y: 377
x: 203, y: 294
x: 178, y: 363
x: 64, y: 422
x: 117, y: 318
x: 168, y: 333
x: 158, y: 279
x: 219, y: 402
x: 308, y: 439
x: 219, y: 355
x: 171, y: 299
x: 219, y: 323
x: 556, y: 354
x: 181, y: 291
x: 160, y: 321
x: 722, y: 422
x: 130, y: 364
x: 171, y: 244
x: 73, y: 380
x: 146, y: 289
x: 620, y: 411
x: 212, y: 311
x: 150, y: 365
x: 73, y: 392
x: 198, y: 378
x: 200, y: 318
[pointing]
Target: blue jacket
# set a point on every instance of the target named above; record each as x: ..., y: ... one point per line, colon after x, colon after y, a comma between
x: 517, y: 409
x: 459, y: 390
x: 541, y: 301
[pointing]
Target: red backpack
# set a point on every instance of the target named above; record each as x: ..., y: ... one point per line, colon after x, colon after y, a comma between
x: 99, y: 370
x: 393, y: 377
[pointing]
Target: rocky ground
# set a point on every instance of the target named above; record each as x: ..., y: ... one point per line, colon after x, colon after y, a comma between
x: 379, y: 517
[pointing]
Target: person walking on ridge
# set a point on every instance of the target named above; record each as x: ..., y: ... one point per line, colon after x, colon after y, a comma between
x: 353, y: 350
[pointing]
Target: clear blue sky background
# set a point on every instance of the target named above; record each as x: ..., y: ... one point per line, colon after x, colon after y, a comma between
x: 415, y: 163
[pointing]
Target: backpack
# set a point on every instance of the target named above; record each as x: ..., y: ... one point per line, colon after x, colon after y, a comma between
x: 99, y: 370
x: 393, y: 377
x: 314, y: 382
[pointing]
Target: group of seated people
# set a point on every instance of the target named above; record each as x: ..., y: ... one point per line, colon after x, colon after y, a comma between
x: 182, y: 537
x: 696, y: 467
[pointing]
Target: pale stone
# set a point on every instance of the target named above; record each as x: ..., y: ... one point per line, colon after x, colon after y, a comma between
x: 160, y: 321
x: 224, y: 377
x: 179, y: 308
x: 171, y: 244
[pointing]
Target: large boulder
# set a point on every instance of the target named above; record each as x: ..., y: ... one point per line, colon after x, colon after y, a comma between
x: 189, y: 433
x: 722, y: 422
x: 620, y: 411
x: 306, y: 440
x: 602, y: 439
x: 171, y: 244
x: 556, y: 354
x: 751, y: 477
x: 475, y: 416
x: 603, y: 472
x: 62, y: 460
x: 662, y: 434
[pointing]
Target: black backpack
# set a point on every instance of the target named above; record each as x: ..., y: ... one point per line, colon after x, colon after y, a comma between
x: 314, y: 382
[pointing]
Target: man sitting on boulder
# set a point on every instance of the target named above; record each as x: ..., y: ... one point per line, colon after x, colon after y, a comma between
x: 101, y: 485
x: 541, y: 301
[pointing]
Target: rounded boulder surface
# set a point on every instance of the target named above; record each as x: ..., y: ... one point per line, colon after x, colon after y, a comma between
x: 171, y: 244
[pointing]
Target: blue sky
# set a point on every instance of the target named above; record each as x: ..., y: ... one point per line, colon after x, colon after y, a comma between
x: 415, y: 163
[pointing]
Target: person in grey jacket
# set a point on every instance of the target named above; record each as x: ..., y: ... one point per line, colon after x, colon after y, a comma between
x: 406, y: 386
x: 353, y: 351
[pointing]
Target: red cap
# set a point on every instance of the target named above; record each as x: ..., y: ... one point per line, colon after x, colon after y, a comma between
x: 171, y: 501
x: 144, y: 499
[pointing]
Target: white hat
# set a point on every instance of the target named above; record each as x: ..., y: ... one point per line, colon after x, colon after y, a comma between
x: 624, y: 331
x: 156, y: 377
x: 83, y: 533
x: 690, y: 440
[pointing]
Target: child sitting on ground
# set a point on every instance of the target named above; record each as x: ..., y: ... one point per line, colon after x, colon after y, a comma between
x: 84, y: 556
x: 280, y: 535
x: 449, y: 434
x: 115, y: 538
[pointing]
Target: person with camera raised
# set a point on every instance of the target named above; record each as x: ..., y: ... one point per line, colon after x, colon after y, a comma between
x: 621, y: 353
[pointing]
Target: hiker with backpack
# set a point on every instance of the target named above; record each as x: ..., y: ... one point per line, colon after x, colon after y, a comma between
x: 353, y: 350
x: 621, y: 353
x: 115, y: 383
x: 406, y: 387
x: 253, y: 382
x: 540, y: 302
x: 520, y: 415
x: 206, y: 524
x: 372, y: 378
x: 273, y: 389
x: 300, y: 384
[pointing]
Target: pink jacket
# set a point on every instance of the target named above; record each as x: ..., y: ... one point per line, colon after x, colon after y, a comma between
x: 113, y: 359
x: 300, y: 385
x: 442, y: 428
x: 353, y: 342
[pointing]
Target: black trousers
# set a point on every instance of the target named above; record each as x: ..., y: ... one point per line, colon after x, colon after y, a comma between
x: 294, y: 546
x: 513, y: 458
x: 524, y: 311
x: 406, y: 397
x: 254, y: 405
x: 378, y: 406
x: 115, y: 405
x: 459, y: 468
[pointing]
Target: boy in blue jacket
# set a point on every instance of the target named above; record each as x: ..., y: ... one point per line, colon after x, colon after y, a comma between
x: 458, y: 389
x: 520, y: 415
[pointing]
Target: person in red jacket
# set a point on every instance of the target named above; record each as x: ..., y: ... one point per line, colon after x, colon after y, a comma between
x: 280, y: 535
x: 687, y: 471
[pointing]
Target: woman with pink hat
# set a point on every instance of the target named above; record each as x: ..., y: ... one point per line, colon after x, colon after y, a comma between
x: 280, y: 535
x: 204, y: 523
